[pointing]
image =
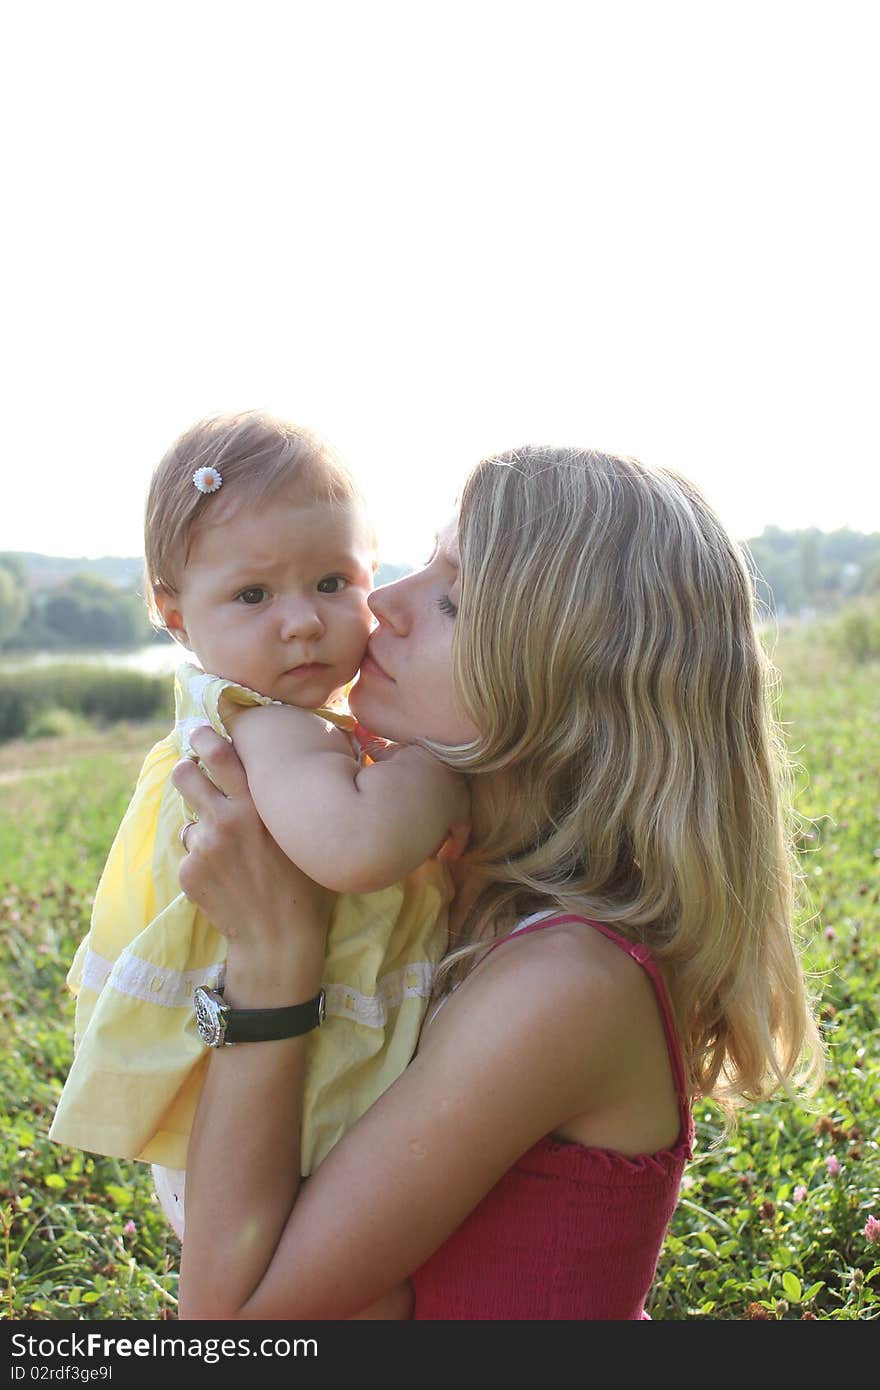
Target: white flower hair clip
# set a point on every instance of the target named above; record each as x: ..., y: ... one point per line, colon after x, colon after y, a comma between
x: 208, y: 479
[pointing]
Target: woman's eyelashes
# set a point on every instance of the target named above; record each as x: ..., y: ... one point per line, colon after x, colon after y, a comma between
x: 445, y: 604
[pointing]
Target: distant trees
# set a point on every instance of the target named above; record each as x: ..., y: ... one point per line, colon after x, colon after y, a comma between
x: 82, y: 611
x: 90, y: 612
x: 814, y: 569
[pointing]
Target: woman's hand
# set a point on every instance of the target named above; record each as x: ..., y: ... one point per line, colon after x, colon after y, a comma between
x: 273, y: 917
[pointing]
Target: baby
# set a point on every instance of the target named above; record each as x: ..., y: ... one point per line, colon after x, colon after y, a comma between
x: 259, y: 559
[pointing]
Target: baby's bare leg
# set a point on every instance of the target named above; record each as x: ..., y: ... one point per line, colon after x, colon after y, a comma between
x: 170, y: 1184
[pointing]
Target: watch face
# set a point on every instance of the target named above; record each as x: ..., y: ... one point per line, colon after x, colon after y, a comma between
x: 209, y: 1018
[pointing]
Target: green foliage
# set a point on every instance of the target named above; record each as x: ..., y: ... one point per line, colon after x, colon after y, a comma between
x: 14, y: 601
x: 83, y: 1236
x: 15, y: 711
x: 90, y: 612
x: 55, y: 723
x: 52, y: 604
x: 93, y: 692
x: 856, y: 632
x: 813, y: 569
x: 765, y: 1229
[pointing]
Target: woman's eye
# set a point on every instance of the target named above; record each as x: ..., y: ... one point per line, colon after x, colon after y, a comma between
x: 252, y: 596
x: 333, y: 584
x: 445, y: 604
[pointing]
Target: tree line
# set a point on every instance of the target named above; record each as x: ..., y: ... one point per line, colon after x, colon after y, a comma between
x: 813, y: 571
x: 84, y: 610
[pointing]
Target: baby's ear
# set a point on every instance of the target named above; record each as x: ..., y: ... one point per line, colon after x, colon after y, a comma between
x: 171, y: 614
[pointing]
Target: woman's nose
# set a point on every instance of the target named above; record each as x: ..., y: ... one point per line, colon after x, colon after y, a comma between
x: 390, y: 604
x: 300, y: 618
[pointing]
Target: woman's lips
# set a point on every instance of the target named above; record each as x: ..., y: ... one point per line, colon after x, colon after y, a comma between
x: 371, y: 667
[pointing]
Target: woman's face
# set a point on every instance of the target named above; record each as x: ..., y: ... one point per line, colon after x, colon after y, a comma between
x: 404, y: 690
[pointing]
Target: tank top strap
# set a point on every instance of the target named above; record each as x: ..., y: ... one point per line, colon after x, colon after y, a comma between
x: 642, y: 956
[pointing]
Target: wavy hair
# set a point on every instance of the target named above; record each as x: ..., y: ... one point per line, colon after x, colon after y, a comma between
x: 606, y: 646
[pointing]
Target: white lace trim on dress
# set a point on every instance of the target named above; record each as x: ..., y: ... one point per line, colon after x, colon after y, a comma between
x: 141, y: 979
x: 155, y: 984
x: 410, y: 982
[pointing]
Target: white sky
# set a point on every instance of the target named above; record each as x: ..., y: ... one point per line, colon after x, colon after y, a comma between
x: 434, y: 230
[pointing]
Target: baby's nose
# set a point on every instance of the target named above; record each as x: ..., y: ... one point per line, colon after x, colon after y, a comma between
x: 300, y: 618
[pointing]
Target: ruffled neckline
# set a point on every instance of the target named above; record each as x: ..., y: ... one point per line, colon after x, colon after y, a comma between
x: 551, y: 1153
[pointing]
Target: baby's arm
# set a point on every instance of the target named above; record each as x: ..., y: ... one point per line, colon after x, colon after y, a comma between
x: 353, y: 829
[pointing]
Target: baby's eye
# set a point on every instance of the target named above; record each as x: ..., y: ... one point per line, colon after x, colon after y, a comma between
x: 333, y: 584
x: 252, y: 596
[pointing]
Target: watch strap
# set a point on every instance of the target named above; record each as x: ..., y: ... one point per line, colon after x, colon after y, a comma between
x: 270, y: 1025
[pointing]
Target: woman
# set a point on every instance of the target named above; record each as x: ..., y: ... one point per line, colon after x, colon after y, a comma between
x: 582, y: 644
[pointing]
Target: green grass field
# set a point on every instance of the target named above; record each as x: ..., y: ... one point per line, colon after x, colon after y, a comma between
x: 770, y: 1223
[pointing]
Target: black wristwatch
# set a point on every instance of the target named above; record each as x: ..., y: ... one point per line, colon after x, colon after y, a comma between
x: 221, y: 1026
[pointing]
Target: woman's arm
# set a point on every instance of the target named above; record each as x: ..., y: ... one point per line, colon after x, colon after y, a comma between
x: 236, y: 872
x: 353, y: 829
x: 516, y: 1051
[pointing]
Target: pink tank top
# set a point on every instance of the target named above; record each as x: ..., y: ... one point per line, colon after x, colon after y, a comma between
x: 569, y: 1232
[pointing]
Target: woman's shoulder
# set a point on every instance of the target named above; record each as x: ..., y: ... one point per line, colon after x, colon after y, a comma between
x: 565, y: 986
x: 569, y: 1009
x: 566, y: 952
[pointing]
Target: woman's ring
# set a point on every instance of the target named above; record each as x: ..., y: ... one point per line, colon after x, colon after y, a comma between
x: 188, y: 825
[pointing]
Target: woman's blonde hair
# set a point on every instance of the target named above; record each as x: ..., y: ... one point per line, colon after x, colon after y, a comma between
x: 255, y: 454
x: 606, y: 646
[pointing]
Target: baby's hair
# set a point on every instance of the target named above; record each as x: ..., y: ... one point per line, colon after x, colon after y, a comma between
x: 255, y: 454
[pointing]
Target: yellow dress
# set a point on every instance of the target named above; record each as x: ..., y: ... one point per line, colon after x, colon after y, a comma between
x: 139, y: 1063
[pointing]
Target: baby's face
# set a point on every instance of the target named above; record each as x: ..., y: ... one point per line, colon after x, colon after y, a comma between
x: 275, y: 597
